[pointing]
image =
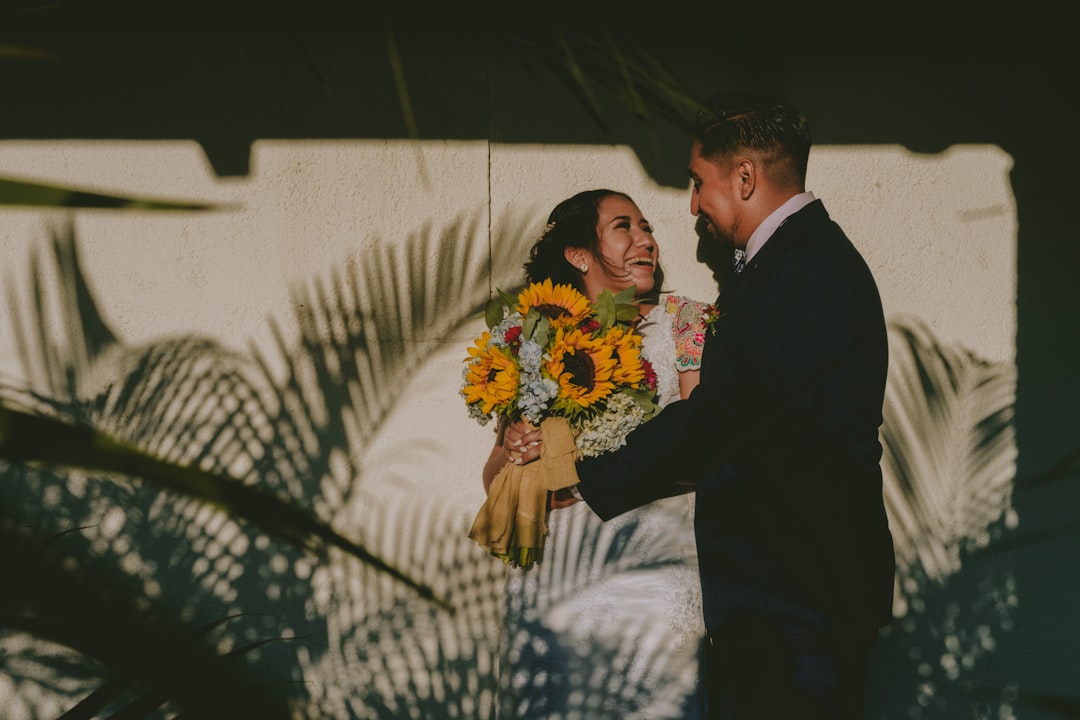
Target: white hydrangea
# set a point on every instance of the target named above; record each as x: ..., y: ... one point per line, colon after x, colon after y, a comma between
x: 535, y: 397
x: 607, y: 431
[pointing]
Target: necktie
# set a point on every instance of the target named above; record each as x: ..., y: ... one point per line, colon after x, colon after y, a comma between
x: 738, y: 259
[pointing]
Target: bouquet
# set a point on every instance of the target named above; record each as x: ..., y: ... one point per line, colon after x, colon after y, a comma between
x: 553, y: 359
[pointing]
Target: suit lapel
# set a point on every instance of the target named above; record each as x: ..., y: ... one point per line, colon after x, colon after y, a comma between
x: 737, y: 283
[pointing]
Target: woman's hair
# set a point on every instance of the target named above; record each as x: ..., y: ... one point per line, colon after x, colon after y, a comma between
x: 572, y: 224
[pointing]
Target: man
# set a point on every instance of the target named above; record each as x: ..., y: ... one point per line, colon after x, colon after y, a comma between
x: 780, y: 439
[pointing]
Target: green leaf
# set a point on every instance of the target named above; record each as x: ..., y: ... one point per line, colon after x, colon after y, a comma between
x: 626, y: 295
x: 646, y: 400
x: 625, y: 306
x: 22, y: 193
x: 543, y: 331
x: 510, y: 301
x: 528, y: 325
x: 604, y: 307
x: 398, y: 71
x: 626, y: 312
x: 494, y: 313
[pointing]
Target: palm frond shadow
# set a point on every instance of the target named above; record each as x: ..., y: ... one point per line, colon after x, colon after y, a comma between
x: 949, y: 468
x: 189, y: 401
x: 53, y: 364
x: 63, y: 600
x: 362, y: 335
x: 568, y: 652
x: 365, y: 331
x: 406, y: 658
x: 301, y: 423
x: 949, y: 449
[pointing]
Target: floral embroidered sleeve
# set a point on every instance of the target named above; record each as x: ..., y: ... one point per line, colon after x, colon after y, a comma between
x: 691, y: 318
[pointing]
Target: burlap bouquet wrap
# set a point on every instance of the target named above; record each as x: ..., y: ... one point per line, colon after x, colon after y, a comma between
x: 512, y: 523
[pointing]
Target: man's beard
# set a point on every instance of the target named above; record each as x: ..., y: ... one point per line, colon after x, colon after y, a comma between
x: 725, y: 238
x: 714, y: 249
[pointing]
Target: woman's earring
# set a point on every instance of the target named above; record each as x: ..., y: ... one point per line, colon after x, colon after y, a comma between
x: 584, y: 266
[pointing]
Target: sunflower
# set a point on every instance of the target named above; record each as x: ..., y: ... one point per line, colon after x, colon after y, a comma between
x: 491, y: 378
x: 562, y: 304
x: 583, y: 367
x: 625, y: 345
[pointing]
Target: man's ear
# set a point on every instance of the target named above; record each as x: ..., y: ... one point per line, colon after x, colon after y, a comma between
x: 746, y: 177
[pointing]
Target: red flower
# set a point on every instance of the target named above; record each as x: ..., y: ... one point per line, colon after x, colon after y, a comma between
x: 513, y: 338
x: 650, y: 374
x: 589, y: 325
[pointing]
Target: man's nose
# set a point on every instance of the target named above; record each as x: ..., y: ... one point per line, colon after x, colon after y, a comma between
x: 694, y: 204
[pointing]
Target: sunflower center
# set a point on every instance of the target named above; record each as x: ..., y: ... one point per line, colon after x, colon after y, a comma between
x: 581, y: 369
x: 552, y: 311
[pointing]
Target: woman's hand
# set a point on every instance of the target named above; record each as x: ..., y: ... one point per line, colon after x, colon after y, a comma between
x: 516, y: 443
x: 522, y: 442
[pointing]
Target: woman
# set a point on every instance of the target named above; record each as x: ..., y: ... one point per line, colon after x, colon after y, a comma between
x: 608, y: 625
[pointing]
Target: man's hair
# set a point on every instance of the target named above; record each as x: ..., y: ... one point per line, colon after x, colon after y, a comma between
x: 764, y: 125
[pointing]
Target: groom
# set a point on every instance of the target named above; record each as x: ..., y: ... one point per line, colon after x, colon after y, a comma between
x: 780, y: 439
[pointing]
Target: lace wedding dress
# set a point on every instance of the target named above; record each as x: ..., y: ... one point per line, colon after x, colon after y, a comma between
x: 608, y: 625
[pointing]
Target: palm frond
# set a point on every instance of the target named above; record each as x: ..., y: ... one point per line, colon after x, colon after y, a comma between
x: 585, y: 63
x: 34, y: 438
x: 62, y: 599
x: 26, y: 193
x: 120, y: 686
x: 28, y: 53
x: 399, y: 80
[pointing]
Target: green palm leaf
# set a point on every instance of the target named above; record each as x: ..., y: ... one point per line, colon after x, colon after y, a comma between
x: 33, y: 194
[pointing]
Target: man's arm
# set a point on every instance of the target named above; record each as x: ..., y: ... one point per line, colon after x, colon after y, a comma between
x: 665, y: 455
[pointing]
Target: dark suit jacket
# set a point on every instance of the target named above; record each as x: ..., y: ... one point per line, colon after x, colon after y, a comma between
x: 780, y: 439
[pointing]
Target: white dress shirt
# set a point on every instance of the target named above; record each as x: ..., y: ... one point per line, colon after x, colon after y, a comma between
x: 776, y: 218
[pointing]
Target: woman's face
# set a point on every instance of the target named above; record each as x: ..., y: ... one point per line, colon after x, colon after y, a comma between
x: 627, y: 246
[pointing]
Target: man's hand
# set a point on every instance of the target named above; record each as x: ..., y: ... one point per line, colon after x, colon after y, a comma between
x: 562, y: 498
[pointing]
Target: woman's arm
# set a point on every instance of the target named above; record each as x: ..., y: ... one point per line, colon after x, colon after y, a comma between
x: 496, y: 459
x: 688, y: 327
x: 688, y: 380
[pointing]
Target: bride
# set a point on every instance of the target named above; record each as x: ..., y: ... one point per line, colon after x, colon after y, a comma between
x: 609, y: 624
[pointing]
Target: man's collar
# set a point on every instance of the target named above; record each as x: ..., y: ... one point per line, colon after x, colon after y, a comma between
x: 776, y: 218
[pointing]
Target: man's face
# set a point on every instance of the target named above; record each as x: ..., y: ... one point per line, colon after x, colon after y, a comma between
x: 713, y: 199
